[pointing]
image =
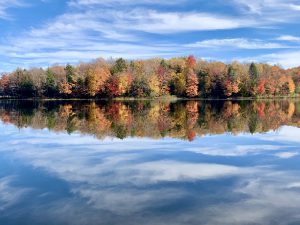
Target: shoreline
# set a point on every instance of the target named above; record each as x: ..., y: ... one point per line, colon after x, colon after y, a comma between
x: 167, y: 98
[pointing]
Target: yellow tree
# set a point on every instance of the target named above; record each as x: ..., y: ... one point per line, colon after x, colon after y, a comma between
x: 65, y: 88
x: 96, y: 79
x: 154, y: 85
x: 291, y: 85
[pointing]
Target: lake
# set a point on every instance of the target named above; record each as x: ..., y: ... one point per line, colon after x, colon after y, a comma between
x: 150, y: 162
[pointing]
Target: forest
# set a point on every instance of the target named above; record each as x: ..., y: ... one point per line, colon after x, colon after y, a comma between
x: 179, y: 119
x: 184, y: 77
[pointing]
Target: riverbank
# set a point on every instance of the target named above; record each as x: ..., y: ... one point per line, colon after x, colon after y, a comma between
x: 162, y: 98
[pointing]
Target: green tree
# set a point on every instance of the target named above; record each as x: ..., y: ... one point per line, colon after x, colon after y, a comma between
x: 70, y: 74
x: 27, y: 88
x: 253, y: 73
x: 119, y: 66
x: 50, y: 87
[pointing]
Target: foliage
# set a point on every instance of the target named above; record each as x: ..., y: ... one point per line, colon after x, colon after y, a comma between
x: 96, y: 79
x: 192, y: 84
x: 49, y: 86
x: 181, y: 77
x: 119, y: 66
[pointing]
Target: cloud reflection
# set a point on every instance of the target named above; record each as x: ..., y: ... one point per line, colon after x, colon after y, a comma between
x: 144, y: 181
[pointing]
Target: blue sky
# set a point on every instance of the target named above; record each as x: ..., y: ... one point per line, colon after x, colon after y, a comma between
x: 44, y: 32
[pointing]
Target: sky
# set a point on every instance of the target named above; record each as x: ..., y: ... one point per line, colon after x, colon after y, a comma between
x: 40, y: 33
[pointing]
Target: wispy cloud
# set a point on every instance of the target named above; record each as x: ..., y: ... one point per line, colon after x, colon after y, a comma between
x: 91, y: 3
x: 295, y: 7
x: 240, y: 43
x: 88, y: 29
x: 286, y: 155
x: 266, y: 6
x: 168, y: 22
x: 287, y: 59
x: 10, y: 195
x: 288, y: 38
x: 6, y: 4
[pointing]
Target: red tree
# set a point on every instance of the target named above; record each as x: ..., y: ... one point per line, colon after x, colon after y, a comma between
x: 261, y: 87
x: 191, y: 61
x: 192, y: 84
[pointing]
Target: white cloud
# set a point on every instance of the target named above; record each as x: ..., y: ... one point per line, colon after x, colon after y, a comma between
x: 240, y: 43
x: 285, y: 133
x: 235, y: 151
x: 74, y: 37
x: 113, y: 28
x: 10, y: 195
x: 267, y: 6
x: 295, y: 7
x: 178, y: 171
x: 286, y: 155
x: 267, y: 197
x: 168, y: 22
x: 286, y: 59
x: 113, y: 177
x: 85, y: 3
x: 85, y: 34
x: 288, y: 38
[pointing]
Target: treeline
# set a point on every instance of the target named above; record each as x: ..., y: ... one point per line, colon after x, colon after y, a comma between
x: 181, y: 77
x: 153, y: 119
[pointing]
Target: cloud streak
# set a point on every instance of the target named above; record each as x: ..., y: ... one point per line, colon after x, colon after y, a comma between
x: 240, y: 43
x: 7, y: 4
x: 89, y: 29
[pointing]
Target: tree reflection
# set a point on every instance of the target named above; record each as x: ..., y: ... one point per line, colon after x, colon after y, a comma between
x: 153, y: 119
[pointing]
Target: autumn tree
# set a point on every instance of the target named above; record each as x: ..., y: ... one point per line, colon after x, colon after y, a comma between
x: 192, y: 84
x: 216, y: 73
x: 96, y: 79
x: 163, y: 78
x: 4, y: 84
x: 119, y: 84
x: 191, y: 62
x: 140, y: 88
x: 260, y: 90
x: 65, y: 88
x: 182, y: 76
x: 231, y: 83
x: 291, y: 85
x: 178, y: 84
x: 154, y: 85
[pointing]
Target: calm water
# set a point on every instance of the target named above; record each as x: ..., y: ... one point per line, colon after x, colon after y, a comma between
x: 86, y: 163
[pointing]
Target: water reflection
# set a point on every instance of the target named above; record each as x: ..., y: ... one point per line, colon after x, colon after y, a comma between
x: 51, y: 177
x: 154, y: 119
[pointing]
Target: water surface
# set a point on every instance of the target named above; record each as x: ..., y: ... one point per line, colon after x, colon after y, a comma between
x: 155, y: 162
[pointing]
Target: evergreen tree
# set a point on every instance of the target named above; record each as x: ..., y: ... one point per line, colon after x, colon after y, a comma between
x: 49, y: 87
x: 70, y: 74
x: 253, y: 72
x: 119, y: 66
